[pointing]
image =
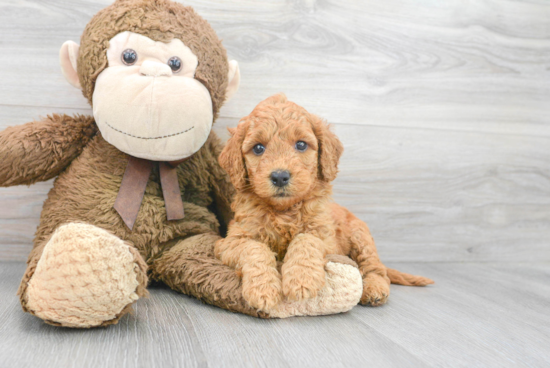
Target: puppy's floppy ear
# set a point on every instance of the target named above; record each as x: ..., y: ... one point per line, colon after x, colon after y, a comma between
x: 231, y: 159
x: 330, y: 149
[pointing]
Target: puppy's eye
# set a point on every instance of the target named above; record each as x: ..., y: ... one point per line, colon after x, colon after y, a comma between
x: 129, y: 57
x: 258, y: 149
x: 301, y: 146
x: 175, y: 64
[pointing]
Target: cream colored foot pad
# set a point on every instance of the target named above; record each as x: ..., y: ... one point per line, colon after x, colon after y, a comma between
x: 85, y: 276
x: 341, y: 293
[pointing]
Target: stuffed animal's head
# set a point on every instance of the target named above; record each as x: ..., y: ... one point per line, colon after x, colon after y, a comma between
x: 155, y: 74
x: 281, y: 153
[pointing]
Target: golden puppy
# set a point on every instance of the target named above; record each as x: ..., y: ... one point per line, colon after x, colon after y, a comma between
x: 281, y: 160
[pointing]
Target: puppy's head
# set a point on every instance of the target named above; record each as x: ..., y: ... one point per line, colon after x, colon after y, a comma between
x: 281, y: 153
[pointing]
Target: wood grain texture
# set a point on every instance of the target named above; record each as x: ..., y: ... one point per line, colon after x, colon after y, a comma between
x: 476, y: 315
x: 442, y: 107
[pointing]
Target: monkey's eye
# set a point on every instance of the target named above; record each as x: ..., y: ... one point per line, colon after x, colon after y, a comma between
x: 129, y: 57
x: 301, y: 146
x: 175, y: 64
x: 258, y: 149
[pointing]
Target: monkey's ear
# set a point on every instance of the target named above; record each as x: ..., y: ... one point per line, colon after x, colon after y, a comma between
x: 233, y: 79
x: 67, y: 58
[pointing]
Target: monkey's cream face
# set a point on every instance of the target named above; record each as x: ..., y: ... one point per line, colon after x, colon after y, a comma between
x: 147, y: 102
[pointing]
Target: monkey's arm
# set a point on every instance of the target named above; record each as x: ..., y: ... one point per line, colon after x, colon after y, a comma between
x: 222, y: 188
x: 40, y: 150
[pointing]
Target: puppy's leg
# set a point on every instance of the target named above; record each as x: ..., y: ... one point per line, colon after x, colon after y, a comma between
x: 303, y: 268
x: 261, y: 281
x: 376, y: 283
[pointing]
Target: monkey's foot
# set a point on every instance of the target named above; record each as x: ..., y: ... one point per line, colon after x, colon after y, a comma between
x: 86, y: 277
x: 342, y: 291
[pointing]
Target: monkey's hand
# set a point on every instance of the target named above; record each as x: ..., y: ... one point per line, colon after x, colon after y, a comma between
x: 40, y: 150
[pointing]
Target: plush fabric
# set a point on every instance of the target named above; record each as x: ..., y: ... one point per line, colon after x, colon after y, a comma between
x: 159, y: 20
x: 146, y: 110
x: 86, y: 276
x: 40, y: 150
x: 86, y: 190
x: 342, y: 291
x: 67, y: 59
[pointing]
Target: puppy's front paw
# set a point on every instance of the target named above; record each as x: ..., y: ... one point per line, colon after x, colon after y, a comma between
x: 263, y: 291
x: 376, y: 290
x: 302, y: 282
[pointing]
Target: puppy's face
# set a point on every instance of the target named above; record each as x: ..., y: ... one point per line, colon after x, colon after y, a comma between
x: 280, y: 152
x: 281, y: 158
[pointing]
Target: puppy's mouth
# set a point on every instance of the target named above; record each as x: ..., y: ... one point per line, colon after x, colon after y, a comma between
x: 283, y: 192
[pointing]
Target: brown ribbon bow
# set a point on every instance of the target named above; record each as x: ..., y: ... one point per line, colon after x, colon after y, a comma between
x: 134, y: 182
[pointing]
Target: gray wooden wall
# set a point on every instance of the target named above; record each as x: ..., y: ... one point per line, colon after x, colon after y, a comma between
x: 443, y: 108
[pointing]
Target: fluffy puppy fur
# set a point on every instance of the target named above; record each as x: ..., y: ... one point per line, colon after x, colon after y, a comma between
x: 294, y: 222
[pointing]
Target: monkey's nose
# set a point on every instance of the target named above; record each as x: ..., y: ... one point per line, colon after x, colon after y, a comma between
x: 280, y: 178
x: 155, y: 69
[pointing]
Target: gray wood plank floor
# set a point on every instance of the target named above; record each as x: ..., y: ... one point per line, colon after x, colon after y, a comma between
x: 477, y: 315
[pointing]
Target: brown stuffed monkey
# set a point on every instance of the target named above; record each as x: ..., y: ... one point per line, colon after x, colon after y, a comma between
x: 139, y: 192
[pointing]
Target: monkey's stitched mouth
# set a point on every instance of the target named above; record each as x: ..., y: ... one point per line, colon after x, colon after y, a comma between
x: 159, y: 137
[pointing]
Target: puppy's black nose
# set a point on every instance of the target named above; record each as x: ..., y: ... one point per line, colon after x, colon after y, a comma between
x: 280, y: 178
